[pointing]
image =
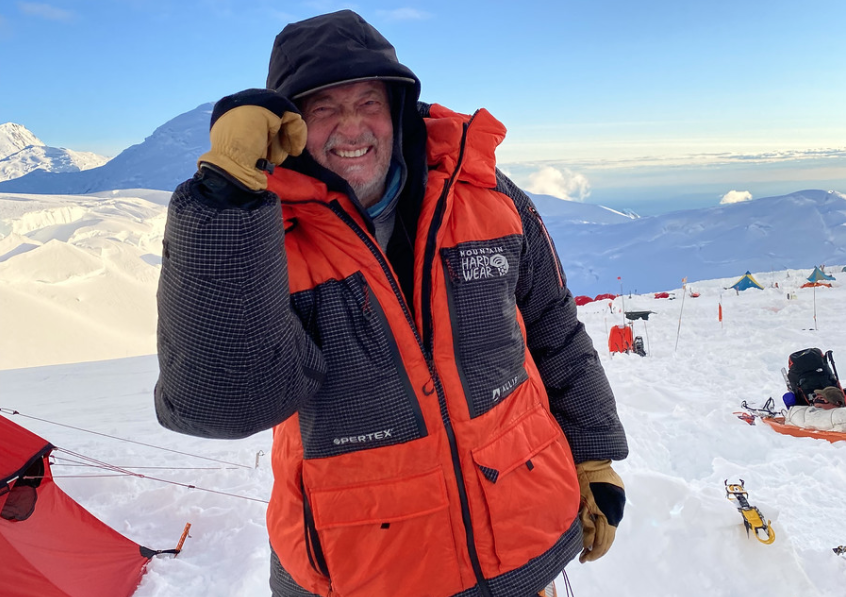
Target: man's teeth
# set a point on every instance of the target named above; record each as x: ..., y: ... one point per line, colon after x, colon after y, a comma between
x: 357, y: 153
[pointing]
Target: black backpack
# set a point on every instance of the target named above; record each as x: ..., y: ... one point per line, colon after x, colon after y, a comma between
x: 808, y: 370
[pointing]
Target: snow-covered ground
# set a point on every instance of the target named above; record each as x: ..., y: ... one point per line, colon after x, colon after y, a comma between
x: 78, y: 276
x: 680, y: 535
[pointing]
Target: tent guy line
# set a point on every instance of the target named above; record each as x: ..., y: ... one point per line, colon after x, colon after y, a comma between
x: 125, y: 472
x: 10, y: 411
x: 83, y: 460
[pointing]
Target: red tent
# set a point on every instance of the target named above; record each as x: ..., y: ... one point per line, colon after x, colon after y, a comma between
x: 583, y: 300
x: 602, y: 297
x: 51, y: 546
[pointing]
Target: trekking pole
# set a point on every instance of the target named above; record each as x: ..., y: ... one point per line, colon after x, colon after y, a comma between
x: 646, y: 329
x: 684, y: 292
x: 622, y: 298
x: 815, y: 307
x: 830, y: 356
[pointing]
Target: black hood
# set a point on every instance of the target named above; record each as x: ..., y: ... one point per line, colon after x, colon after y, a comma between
x: 342, y: 47
x: 334, y: 48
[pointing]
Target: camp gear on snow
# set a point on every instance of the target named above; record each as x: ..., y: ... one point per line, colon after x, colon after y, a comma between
x: 768, y: 410
x: 808, y: 371
x: 253, y: 131
x: 753, y: 519
x: 638, y: 341
x: 840, y: 549
x: 603, y: 501
x: 818, y: 419
x: 816, y: 423
x: 789, y: 399
x: 745, y: 282
x: 620, y: 339
x: 831, y: 395
x: 779, y: 426
x: 633, y: 315
x: 818, y: 276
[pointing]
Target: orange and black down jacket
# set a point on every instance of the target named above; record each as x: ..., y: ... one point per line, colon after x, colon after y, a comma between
x: 419, y: 450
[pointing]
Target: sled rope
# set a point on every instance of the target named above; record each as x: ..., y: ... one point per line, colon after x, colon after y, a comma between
x: 131, y: 441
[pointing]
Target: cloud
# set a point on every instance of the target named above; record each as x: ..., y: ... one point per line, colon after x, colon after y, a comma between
x: 403, y: 14
x: 561, y: 183
x: 45, y: 11
x: 736, y: 197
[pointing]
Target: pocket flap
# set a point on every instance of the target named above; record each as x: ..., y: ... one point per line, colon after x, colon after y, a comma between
x: 384, y: 502
x: 515, y: 446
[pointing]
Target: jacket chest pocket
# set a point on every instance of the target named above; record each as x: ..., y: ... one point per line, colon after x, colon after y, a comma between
x: 481, y: 278
x: 366, y: 400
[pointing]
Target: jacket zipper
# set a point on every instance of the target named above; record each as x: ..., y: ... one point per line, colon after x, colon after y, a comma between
x: 558, y: 268
x: 428, y: 341
x: 339, y: 211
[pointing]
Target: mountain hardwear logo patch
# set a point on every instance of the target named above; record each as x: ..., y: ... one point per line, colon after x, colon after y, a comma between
x: 483, y: 262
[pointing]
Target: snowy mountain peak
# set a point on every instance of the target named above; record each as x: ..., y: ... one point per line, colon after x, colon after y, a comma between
x: 15, y: 137
x: 162, y: 161
x: 21, y: 152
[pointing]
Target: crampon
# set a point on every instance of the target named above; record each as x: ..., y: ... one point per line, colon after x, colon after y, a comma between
x: 753, y: 520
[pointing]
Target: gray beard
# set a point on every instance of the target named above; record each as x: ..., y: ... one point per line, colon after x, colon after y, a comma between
x: 369, y: 193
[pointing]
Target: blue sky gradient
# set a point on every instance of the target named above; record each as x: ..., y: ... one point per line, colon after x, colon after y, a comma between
x: 599, y: 87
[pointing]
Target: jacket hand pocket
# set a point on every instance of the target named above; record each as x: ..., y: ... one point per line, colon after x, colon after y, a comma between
x: 530, y: 487
x: 380, y: 537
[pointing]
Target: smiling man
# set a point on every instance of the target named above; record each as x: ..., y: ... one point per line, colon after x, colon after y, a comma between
x: 350, y: 133
x: 349, y: 268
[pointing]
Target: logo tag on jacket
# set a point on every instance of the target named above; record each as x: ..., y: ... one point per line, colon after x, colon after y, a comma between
x: 360, y: 439
x: 506, y: 388
x: 482, y: 262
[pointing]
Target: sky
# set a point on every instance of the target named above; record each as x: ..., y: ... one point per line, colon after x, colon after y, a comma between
x: 679, y: 537
x: 650, y: 105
